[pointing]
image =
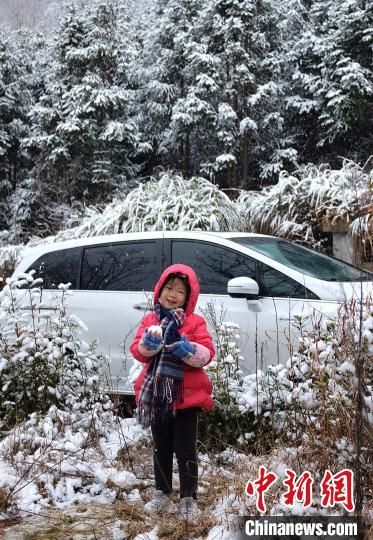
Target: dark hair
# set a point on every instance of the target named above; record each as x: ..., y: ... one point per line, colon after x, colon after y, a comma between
x: 184, y: 278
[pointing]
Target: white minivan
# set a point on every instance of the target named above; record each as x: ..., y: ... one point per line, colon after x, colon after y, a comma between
x: 262, y: 283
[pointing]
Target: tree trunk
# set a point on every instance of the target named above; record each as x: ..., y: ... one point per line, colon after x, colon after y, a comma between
x: 235, y: 175
x: 235, y: 102
x: 245, y: 161
x: 186, y: 155
x: 14, y: 169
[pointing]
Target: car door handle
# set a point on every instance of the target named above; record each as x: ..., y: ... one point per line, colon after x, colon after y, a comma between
x: 142, y: 306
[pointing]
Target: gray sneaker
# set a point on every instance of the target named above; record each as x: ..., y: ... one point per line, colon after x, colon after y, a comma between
x: 161, y: 502
x: 188, y: 508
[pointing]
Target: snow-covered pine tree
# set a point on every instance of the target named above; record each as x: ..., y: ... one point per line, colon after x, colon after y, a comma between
x: 212, y: 97
x: 82, y: 127
x: 172, y: 94
x: 133, y: 21
x: 250, y: 121
x: 333, y: 80
x: 28, y: 209
x: 194, y: 120
x: 15, y: 102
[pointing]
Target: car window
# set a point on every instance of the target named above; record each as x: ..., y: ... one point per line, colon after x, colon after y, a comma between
x: 305, y: 260
x: 275, y: 283
x: 57, y: 267
x: 129, y: 266
x: 214, y: 265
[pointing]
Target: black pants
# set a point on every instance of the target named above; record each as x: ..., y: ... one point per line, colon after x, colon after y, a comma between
x: 176, y: 433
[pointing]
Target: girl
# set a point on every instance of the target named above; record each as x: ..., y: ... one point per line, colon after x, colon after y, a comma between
x: 174, y: 344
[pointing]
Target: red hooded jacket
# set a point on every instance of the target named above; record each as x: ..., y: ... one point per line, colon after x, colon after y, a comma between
x: 197, y: 385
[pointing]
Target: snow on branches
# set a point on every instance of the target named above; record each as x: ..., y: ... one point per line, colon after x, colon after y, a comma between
x: 296, y: 207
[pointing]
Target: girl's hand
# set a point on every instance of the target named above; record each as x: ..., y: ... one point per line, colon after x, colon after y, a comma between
x: 152, y: 340
x: 182, y: 348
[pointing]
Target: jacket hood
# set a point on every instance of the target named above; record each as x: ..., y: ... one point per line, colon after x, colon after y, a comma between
x: 193, y: 282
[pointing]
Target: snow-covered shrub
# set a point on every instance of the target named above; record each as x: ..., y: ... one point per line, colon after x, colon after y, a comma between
x: 60, y: 435
x: 332, y: 380
x: 176, y: 203
x: 225, y: 424
x: 249, y: 410
x: 296, y: 207
x: 42, y: 360
x: 316, y: 400
x: 264, y: 396
x: 168, y: 203
x: 8, y: 260
x: 313, y: 402
x: 67, y: 456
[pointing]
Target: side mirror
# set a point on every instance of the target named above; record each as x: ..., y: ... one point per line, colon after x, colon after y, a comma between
x: 243, y: 287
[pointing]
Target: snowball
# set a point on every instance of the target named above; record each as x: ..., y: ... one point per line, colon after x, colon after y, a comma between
x: 155, y: 329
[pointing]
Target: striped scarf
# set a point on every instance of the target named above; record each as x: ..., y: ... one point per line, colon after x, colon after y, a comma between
x: 163, y: 382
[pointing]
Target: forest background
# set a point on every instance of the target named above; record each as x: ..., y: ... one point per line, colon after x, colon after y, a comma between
x: 96, y: 97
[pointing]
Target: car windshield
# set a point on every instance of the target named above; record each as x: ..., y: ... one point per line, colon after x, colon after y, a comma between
x: 305, y: 260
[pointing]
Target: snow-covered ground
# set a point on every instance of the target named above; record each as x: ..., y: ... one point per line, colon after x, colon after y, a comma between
x: 78, y: 487
x: 67, y: 485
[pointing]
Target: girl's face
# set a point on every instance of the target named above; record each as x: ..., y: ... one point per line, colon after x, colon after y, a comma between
x: 174, y: 294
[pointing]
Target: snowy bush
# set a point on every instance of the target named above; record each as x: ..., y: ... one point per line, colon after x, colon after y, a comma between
x: 264, y: 396
x: 296, y: 207
x: 332, y: 386
x: 8, y: 259
x: 225, y: 424
x: 249, y: 410
x: 60, y: 434
x: 64, y: 457
x: 42, y: 360
x: 175, y: 203
x: 316, y: 400
x: 312, y: 402
x: 168, y: 203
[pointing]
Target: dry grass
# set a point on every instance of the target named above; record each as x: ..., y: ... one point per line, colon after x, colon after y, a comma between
x: 93, y: 520
x: 3, y: 499
x: 135, y: 520
x: 138, y: 459
x: 6, y: 523
x: 52, y: 533
x: 8, y: 262
x: 178, y: 529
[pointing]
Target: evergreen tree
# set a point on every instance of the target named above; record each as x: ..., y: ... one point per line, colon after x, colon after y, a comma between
x: 194, y: 120
x: 248, y: 136
x: 82, y: 129
x: 15, y: 102
x: 204, y: 64
x: 166, y: 76
x: 333, y: 80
